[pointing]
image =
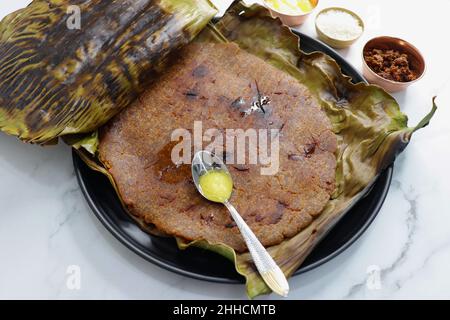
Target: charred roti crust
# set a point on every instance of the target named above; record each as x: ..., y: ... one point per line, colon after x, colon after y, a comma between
x: 204, y: 85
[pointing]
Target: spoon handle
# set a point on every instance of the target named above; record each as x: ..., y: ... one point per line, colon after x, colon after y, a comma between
x: 267, y: 267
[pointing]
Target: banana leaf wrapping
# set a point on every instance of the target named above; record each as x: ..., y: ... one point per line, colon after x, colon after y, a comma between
x: 58, y: 79
x: 369, y: 125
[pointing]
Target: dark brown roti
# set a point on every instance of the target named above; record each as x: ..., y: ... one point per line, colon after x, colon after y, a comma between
x: 206, y: 85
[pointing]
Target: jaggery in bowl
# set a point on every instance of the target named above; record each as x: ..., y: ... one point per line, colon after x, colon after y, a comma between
x: 415, y: 58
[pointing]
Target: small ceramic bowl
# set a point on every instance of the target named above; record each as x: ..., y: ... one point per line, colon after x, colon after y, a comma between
x: 291, y: 20
x: 333, y: 42
x: 416, y: 61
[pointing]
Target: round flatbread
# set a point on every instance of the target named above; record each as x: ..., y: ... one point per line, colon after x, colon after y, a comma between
x: 217, y: 84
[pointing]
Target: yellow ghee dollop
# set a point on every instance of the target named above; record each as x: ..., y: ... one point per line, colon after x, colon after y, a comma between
x: 291, y: 7
x: 216, y: 185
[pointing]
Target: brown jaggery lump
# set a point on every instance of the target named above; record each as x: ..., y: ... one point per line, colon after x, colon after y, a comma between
x: 390, y: 64
x: 206, y: 84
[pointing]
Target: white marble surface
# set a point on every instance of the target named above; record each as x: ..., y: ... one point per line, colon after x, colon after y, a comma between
x: 46, y: 226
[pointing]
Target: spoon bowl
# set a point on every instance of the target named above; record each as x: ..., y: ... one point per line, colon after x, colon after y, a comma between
x: 205, y: 163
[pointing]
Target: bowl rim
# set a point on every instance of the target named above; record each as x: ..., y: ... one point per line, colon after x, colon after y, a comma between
x: 388, y: 80
x: 268, y: 6
x: 352, y: 13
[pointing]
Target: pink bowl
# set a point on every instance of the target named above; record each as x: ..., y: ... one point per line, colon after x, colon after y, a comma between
x: 417, y: 62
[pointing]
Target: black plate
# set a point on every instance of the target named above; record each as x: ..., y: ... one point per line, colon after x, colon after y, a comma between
x: 202, y: 264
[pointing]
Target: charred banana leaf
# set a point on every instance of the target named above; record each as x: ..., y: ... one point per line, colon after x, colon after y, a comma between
x: 68, y: 66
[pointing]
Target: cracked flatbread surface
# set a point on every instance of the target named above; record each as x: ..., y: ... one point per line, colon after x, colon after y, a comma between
x: 215, y: 84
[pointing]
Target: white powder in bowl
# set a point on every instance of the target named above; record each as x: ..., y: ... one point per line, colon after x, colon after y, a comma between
x: 339, y: 25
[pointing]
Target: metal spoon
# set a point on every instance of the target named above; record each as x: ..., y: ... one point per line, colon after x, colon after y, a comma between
x: 203, y: 162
